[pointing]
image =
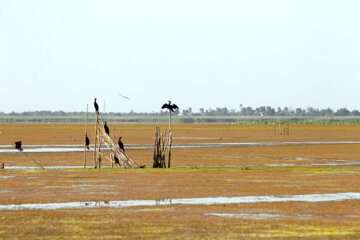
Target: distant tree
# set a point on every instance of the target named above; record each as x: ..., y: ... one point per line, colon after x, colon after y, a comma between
x: 355, y: 113
x: 279, y: 112
x: 342, y: 112
x: 326, y: 112
x: 224, y: 111
x: 312, y: 111
x: 286, y: 111
x: 248, y: 111
x: 270, y: 111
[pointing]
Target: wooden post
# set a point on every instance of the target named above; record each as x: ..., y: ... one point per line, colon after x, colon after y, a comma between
x: 99, y: 150
x: 279, y: 125
x: 163, y: 150
x: 33, y: 160
x: 101, y: 137
x: 87, y: 105
x: 156, y: 149
x: 169, y: 120
x: 170, y: 140
x: 96, y: 136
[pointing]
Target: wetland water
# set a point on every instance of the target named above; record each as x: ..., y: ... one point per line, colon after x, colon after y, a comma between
x: 186, y: 201
x: 80, y: 148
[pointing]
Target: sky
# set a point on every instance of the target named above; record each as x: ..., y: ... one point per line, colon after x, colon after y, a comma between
x: 59, y: 55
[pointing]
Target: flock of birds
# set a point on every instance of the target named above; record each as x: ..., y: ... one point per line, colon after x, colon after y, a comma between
x: 169, y: 106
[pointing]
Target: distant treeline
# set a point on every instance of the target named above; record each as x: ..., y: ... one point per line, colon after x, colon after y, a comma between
x: 269, y: 111
x: 243, y: 111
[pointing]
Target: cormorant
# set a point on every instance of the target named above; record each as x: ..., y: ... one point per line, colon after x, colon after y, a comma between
x: 121, y: 145
x: 116, y: 160
x: 18, y: 146
x: 96, y: 106
x: 170, y: 106
x: 87, y: 141
x: 106, y: 129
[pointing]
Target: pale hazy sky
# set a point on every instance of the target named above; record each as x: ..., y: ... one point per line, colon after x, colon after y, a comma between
x: 59, y: 55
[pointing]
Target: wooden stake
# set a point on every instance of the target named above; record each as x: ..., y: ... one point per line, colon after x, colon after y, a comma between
x: 102, y: 137
x: 169, y: 120
x: 99, y: 150
x: 96, y: 136
x: 170, y: 140
x: 87, y: 105
x: 33, y: 160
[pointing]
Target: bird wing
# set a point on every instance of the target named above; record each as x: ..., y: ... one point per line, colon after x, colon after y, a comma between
x: 164, y: 106
x: 175, y: 106
x: 122, y: 95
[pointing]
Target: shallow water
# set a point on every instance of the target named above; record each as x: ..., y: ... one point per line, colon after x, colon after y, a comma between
x: 45, y: 167
x: 7, y: 176
x: 310, y: 164
x: 80, y: 148
x: 6, y: 191
x: 185, y: 201
x: 201, y: 166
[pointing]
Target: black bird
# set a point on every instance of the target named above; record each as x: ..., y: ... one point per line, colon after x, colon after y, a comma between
x: 107, y: 130
x: 18, y: 146
x: 96, y: 106
x: 170, y: 106
x: 116, y: 160
x: 121, y: 145
x: 87, y: 141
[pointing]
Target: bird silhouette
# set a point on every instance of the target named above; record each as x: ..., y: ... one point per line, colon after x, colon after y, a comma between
x: 87, y: 141
x: 121, y: 145
x: 116, y: 160
x: 170, y: 106
x: 18, y: 146
x: 96, y: 106
x: 106, y: 128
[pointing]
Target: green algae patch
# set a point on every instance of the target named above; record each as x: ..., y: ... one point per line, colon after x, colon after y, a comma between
x: 305, y: 231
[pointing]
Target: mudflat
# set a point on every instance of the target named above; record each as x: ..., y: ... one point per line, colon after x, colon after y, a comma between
x: 208, y: 172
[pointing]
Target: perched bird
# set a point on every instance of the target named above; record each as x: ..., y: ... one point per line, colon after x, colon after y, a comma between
x: 106, y: 128
x: 87, y: 141
x: 18, y: 146
x: 170, y: 106
x: 121, y: 145
x: 96, y: 106
x: 116, y: 160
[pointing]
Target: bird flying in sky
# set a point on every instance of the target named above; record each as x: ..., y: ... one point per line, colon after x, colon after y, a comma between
x: 122, y: 95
